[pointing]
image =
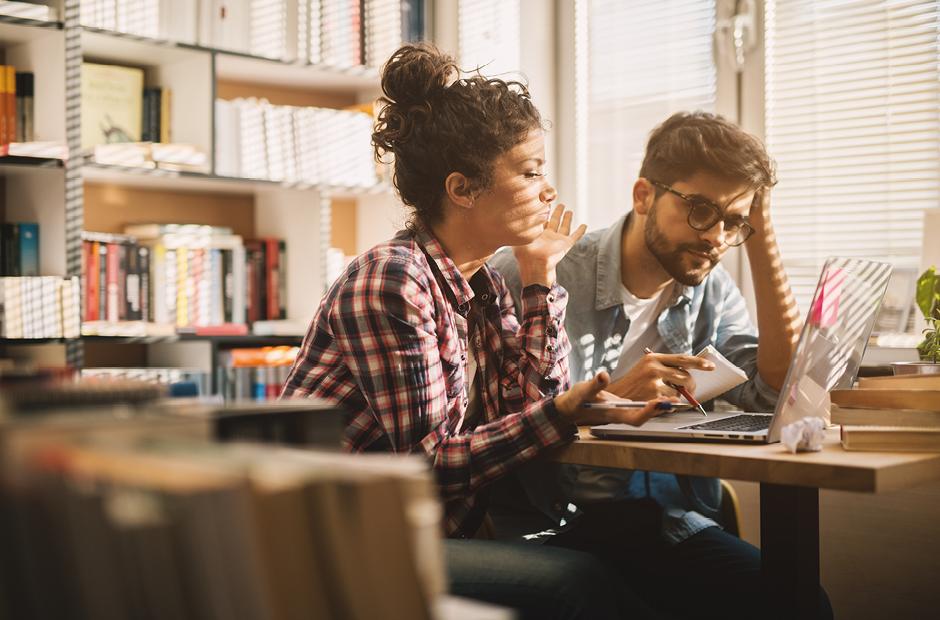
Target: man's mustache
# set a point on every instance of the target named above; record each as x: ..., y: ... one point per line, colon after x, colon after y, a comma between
x: 712, y: 253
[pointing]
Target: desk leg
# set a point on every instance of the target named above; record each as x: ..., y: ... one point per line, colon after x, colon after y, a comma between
x: 789, y: 533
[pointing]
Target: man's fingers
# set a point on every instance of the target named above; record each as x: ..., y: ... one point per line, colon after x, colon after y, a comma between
x: 565, y: 227
x: 682, y: 361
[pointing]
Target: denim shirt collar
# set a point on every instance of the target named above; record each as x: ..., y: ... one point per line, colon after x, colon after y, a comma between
x: 609, y: 273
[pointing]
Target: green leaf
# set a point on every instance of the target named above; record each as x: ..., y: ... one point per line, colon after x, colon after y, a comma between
x: 928, y: 293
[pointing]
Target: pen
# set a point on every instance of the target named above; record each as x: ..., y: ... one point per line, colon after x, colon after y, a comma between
x: 639, y: 404
x: 684, y: 392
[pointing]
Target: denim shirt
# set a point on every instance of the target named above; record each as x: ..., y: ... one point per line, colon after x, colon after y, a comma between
x: 712, y: 312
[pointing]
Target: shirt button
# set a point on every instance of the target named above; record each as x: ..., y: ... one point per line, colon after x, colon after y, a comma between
x: 549, y: 347
x: 550, y: 298
x: 463, y: 357
x: 551, y: 331
x: 485, y: 296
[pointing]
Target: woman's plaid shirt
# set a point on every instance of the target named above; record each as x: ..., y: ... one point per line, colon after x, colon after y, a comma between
x: 389, y: 343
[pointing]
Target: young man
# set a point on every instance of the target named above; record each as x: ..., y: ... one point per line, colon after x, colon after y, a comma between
x: 653, y: 280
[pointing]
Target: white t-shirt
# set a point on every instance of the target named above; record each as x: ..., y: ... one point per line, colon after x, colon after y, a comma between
x: 642, y: 332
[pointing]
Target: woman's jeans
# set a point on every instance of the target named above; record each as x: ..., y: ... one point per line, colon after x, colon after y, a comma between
x: 539, y: 582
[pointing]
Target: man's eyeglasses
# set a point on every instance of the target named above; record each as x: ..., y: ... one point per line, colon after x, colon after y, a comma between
x: 703, y: 214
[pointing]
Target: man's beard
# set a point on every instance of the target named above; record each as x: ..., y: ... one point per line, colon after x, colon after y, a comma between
x: 672, y: 259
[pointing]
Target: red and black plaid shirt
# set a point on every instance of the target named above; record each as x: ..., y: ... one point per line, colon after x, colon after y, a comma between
x: 389, y: 342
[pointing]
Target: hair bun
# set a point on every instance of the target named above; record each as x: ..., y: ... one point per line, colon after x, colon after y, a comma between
x: 416, y: 74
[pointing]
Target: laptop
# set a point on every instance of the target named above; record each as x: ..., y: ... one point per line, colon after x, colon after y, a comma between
x: 832, y: 342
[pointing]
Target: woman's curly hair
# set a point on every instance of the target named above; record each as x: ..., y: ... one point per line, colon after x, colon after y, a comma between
x: 435, y: 124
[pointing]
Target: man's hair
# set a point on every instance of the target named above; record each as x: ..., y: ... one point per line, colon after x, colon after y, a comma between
x: 691, y: 142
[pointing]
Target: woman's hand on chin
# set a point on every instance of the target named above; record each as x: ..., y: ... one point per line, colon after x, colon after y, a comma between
x: 537, y: 260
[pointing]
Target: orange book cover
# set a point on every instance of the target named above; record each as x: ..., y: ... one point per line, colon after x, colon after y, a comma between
x: 3, y: 107
x: 10, y: 107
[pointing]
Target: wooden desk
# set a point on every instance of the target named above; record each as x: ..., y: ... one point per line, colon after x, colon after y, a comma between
x: 789, y: 491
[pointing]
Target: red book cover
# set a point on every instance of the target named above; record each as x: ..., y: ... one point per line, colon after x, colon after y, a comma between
x: 112, y: 275
x: 91, y: 281
x: 272, y: 272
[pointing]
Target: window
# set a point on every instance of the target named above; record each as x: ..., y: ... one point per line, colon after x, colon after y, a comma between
x: 646, y: 60
x: 853, y: 120
x: 488, y: 33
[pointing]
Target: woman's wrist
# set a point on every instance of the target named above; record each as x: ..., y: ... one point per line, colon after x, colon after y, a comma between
x: 536, y: 275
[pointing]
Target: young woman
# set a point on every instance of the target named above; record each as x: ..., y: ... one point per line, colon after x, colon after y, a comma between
x: 419, y: 340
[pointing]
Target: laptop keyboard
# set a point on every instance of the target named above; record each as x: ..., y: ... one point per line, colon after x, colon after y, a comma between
x: 740, y: 423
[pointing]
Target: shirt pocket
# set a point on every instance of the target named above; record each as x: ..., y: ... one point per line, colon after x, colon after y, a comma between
x: 452, y: 367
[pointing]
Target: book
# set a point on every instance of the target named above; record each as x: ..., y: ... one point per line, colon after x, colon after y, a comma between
x: 900, y: 382
x: 887, y: 398
x: 714, y: 383
x: 20, y: 249
x: 26, y: 10
x: 891, y: 438
x: 25, y: 106
x: 885, y: 417
x: 4, y: 131
x: 112, y: 104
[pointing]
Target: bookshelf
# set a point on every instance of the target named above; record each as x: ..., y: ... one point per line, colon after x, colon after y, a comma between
x: 70, y: 194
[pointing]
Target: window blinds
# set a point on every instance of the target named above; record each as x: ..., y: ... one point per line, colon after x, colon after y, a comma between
x: 853, y: 120
x: 646, y: 60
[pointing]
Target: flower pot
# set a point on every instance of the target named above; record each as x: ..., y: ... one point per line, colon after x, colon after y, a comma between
x: 916, y: 368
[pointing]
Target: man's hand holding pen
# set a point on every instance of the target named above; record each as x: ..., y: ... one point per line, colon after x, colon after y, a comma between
x: 659, y: 375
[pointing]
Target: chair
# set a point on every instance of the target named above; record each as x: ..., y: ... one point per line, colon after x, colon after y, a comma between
x: 729, y: 512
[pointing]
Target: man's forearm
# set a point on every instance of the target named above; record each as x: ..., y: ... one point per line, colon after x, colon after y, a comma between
x: 778, y: 318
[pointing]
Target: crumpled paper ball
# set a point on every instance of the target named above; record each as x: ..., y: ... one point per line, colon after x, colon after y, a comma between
x: 805, y: 435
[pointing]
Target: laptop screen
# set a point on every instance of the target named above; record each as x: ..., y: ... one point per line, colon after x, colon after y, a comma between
x: 835, y: 334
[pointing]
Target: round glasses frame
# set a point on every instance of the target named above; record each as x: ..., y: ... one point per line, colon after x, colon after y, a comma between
x: 704, y: 214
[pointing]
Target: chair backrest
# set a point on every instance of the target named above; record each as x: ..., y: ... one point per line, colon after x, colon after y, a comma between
x: 730, y: 509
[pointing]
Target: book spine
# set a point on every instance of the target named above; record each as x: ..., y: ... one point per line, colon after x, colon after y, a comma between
x: 11, y: 103
x: 271, y: 271
x: 9, y: 233
x: 146, y: 132
x: 91, y: 282
x: 143, y: 265
x: 102, y: 281
x: 28, y: 258
x: 185, y: 288
x: 282, y: 278
x: 3, y: 106
x: 132, y: 294
x: 122, y: 281
x: 112, y: 279
x: 164, y: 134
x: 228, y: 284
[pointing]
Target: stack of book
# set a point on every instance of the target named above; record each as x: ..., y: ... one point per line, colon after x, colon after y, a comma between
x: 186, y: 276
x: 201, y: 379
x: 255, y: 139
x: 40, y: 307
x: 254, y: 373
x: 900, y: 413
x: 124, y: 518
x: 17, y: 92
x: 27, y: 10
x: 197, y: 273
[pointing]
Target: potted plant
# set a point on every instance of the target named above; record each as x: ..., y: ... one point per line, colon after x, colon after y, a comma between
x: 928, y: 300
